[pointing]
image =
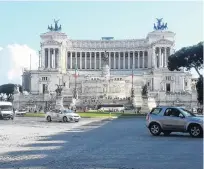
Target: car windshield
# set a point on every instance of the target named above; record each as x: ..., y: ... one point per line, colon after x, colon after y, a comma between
x: 187, y: 112
x: 156, y: 111
x: 67, y: 111
x: 5, y: 107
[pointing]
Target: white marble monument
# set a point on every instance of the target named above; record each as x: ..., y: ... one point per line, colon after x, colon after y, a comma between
x: 100, y: 83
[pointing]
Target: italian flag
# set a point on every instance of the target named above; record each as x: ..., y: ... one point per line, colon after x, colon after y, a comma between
x: 76, y: 72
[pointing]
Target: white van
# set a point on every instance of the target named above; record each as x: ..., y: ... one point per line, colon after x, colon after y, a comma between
x: 6, y: 110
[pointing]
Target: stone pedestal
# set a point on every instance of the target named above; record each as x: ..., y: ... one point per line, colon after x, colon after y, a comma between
x: 16, y: 100
x: 73, y: 103
x: 134, y: 102
x: 59, y: 102
x: 145, y: 107
x: 106, y: 72
x: 152, y: 103
x: 46, y: 96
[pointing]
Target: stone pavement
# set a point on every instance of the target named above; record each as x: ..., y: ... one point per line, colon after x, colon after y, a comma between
x: 116, y: 144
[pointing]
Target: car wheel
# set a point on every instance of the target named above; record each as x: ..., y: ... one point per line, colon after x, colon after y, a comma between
x: 12, y: 118
x: 65, y: 119
x: 49, y: 119
x: 195, y: 130
x: 167, y: 133
x: 155, y: 129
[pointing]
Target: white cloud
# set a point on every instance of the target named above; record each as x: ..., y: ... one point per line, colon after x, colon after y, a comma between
x: 13, y: 59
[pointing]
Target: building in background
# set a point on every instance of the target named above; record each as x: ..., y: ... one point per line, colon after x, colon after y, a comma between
x: 110, y: 71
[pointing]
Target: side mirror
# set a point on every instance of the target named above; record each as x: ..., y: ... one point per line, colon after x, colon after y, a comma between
x: 182, y: 117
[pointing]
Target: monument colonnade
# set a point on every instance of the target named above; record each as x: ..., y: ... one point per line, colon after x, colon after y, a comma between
x: 92, y: 60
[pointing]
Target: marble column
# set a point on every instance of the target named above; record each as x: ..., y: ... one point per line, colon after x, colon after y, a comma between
x: 43, y: 57
x: 90, y: 59
x: 124, y: 60
x: 99, y: 60
x: 119, y: 60
x: 166, y: 57
x: 128, y: 59
x: 56, y: 58
x: 165, y: 61
x: 159, y: 57
x: 66, y: 60
x: 133, y: 55
x: 95, y: 60
x: 80, y: 60
x: 109, y: 55
x: 76, y: 64
x: 59, y: 57
x: 70, y: 59
x: 153, y: 58
x: 114, y: 66
x: 138, y: 60
x: 85, y: 60
x: 48, y: 57
x: 53, y: 58
x: 143, y: 59
x: 162, y: 57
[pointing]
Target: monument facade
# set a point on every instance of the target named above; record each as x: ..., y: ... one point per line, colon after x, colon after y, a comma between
x: 110, y: 71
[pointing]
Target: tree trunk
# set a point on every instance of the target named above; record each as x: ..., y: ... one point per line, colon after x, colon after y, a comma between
x: 198, y: 71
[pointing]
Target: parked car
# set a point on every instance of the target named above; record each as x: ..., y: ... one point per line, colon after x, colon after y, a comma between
x: 64, y: 115
x: 173, y: 119
x: 6, y: 110
x: 21, y: 112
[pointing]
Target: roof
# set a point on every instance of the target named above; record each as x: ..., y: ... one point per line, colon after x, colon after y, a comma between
x: 163, y: 41
x: 5, y: 103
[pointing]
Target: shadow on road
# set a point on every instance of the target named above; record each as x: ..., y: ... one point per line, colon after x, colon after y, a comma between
x: 115, y: 144
x: 52, y: 149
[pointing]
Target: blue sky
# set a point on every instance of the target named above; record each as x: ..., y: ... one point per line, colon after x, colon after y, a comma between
x: 23, y: 22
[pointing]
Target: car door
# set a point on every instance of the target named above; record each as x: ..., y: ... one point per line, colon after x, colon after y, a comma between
x: 62, y: 114
x: 174, y: 120
x: 58, y: 115
x: 55, y: 115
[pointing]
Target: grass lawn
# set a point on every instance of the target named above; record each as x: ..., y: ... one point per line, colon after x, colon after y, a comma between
x: 34, y: 115
x: 91, y: 114
x: 98, y: 114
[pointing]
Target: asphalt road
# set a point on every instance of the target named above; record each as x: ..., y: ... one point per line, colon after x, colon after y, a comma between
x: 116, y: 144
x: 40, y: 121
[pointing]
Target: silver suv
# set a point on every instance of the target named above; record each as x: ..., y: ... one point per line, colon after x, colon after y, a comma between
x: 173, y: 119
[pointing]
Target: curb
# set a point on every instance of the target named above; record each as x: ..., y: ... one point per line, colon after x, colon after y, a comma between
x: 132, y: 117
x: 103, y: 117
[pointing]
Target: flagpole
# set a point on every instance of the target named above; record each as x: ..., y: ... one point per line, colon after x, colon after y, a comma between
x: 132, y: 91
x: 132, y: 75
x: 75, y: 83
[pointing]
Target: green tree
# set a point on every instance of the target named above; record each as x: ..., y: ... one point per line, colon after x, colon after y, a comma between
x: 9, y: 90
x: 189, y: 58
x: 199, y: 88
